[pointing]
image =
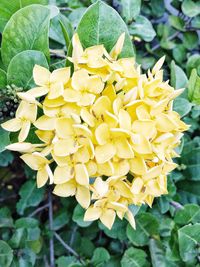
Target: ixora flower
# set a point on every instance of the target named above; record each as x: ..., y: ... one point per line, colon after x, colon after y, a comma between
x: 107, y: 133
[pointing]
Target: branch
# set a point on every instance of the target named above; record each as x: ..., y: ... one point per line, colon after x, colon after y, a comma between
x: 57, y: 53
x: 38, y: 210
x: 176, y: 205
x: 67, y: 247
x: 66, y: 9
x: 51, y: 241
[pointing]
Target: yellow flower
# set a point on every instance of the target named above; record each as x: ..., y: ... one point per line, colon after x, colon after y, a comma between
x: 109, y: 130
x: 40, y: 164
x: 25, y: 115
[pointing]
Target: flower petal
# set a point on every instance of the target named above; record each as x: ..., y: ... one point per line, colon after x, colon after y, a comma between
x: 105, y: 152
x: 92, y: 213
x: 66, y: 189
x: 62, y: 174
x: 108, y: 218
x: 41, y: 75
x: 83, y: 196
x: 45, y: 123
x: 42, y: 177
x: 26, y: 125
x: 61, y: 75
x: 81, y: 174
x: 13, y: 125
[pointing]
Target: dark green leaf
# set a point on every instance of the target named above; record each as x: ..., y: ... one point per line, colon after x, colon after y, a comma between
x: 130, y: 9
x: 91, y: 28
x: 100, y: 257
x: 6, y: 254
x: 3, y: 79
x: 189, y: 214
x: 78, y: 215
x: 26, y: 30
x: 177, y: 22
x: 182, y: 106
x: 6, y: 157
x: 30, y: 195
x: 189, y: 192
x: 178, y: 77
x: 134, y: 257
x: 157, y: 253
x: 190, y: 40
x: 194, y: 87
x: 5, y: 218
x: 142, y: 28
x: 189, y: 239
x: 20, y: 69
x: 146, y: 227
x: 5, y: 139
x: 190, y: 8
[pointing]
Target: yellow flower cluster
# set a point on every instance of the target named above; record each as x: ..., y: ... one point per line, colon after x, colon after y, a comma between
x: 107, y: 131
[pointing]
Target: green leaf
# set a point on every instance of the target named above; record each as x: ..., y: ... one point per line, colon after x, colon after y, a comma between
x: 118, y: 230
x: 3, y: 79
x: 30, y: 195
x: 142, y: 28
x: 157, y: 253
x: 190, y: 40
x: 6, y: 254
x: 193, y: 63
x: 189, y: 239
x: 130, y: 9
x: 97, y: 18
x: 134, y: 257
x: 100, y: 257
x: 189, y: 191
x: 20, y: 69
x: 192, y: 162
x: 182, y: 106
x: 5, y: 139
x: 189, y: 214
x: 177, y: 22
x: 59, y: 23
x: 6, y: 158
x: 179, y: 53
x: 5, y: 218
x: 66, y: 261
x: 178, y: 77
x: 146, y: 227
x: 158, y: 7
x: 8, y: 8
x: 76, y: 15
x: 194, y: 87
x: 26, y: 30
x: 190, y: 8
x: 60, y: 219
x: 78, y: 215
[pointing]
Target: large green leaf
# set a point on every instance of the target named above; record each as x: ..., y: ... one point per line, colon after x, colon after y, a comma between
x: 5, y: 139
x: 146, y: 227
x: 190, y: 8
x: 20, y: 69
x: 194, y: 87
x: 192, y: 162
x: 101, y: 24
x: 26, y: 30
x: 8, y: 8
x: 78, y: 216
x: 3, y: 79
x: 189, y: 192
x: 134, y: 257
x: 130, y: 9
x: 182, y: 106
x: 5, y: 218
x: 6, y: 254
x: 100, y: 257
x: 189, y: 239
x: 189, y: 214
x: 56, y: 32
x: 142, y: 28
x: 30, y: 196
x: 178, y: 77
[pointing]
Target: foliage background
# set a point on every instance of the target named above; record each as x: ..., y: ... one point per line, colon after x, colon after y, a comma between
x: 37, y: 228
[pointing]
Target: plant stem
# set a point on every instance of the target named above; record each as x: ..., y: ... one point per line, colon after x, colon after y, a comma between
x: 176, y: 205
x: 51, y: 241
x: 39, y: 210
x: 67, y: 247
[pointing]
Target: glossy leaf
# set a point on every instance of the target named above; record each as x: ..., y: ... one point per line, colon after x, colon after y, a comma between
x: 134, y: 257
x: 91, y: 28
x: 6, y: 254
x: 20, y: 69
x: 31, y: 32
